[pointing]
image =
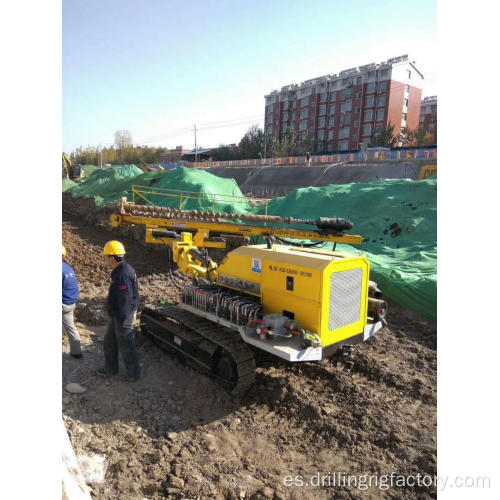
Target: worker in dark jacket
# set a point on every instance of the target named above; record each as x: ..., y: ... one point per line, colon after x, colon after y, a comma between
x: 69, y: 299
x: 121, y: 305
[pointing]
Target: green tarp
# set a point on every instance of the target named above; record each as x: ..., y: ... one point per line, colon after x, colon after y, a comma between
x: 67, y: 184
x: 88, y: 170
x: 202, y: 190
x: 397, y: 218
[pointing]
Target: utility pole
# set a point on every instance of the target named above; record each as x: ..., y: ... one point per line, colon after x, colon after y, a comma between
x: 195, y: 149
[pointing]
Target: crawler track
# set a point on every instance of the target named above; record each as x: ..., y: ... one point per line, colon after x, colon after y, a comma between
x: 203, y: 342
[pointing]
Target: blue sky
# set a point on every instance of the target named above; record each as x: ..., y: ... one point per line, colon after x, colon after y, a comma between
x: 157, y: 67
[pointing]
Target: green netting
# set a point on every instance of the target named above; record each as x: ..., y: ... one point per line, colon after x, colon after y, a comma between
x: 67, y: 184
x: 202, y: 191
x: 128, y: 170
x: 397, y: 218
x: 88, y: 170
x: 109, y: 185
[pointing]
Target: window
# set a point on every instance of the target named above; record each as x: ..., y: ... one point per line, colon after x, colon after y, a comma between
x: 321, y: 122
x: 269, y: 108
x: 403, y: 117
x: 346, y: 93
x: 382, y: 86
x: 322, y: 109
x: 358, y: 95
x: 357, y: 109
x: 333, y: 84
x: 370, y: 87
x: 346, y: 106
x: 285, y: 116
x: 344, y: 133
x: 304, y: 101
x: 358, y: 80
x: 332, y: 109
x: 370, y: 101
x: 368, y: 116
x: 304, y: 113
x: 269, y: 130
x: 355, y: 123
x: 405, y: 102
x: 322, y: 135
x: 293, y: 116
x: 371, y: 73
x: 286, y: 104
x: 381, y: 100
x: 303, y: 125
x: 331, y: 122
x: 330, y: 135
x: 343, y: 145
x: 270, y: 119
x: 354, y: 138
x: 322, y: 97
x: 345, y: 120
x: 384, y: 72
x: 367, y: 129
x: 380, y: 114
x: 333, y: 96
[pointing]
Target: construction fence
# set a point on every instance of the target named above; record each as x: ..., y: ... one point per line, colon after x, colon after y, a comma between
x: 356, y: 156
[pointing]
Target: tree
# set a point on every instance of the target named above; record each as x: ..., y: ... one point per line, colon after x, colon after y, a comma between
x: 306, y: 143
x: 416, y: 137
x: 123, y: 138
x: 384, y: 138
x: 224, y: 152
x: 252, y: 143
x: 137, y: 155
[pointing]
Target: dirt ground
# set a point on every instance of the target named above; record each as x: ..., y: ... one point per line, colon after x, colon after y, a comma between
x: 177, y: 434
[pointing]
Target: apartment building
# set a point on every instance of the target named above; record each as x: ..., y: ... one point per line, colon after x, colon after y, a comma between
x: 343, y: 111
x: 428, y: 116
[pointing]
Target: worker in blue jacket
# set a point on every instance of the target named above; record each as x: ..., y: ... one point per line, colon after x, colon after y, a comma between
x: 121, y: 305
x: 69, y: 299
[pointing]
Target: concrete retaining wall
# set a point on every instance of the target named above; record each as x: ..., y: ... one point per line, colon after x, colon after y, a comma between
x: 280, y: 180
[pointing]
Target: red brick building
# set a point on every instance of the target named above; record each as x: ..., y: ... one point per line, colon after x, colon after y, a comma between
x: 344, y: 111
x: 428, y: 116
x: 173, y: 155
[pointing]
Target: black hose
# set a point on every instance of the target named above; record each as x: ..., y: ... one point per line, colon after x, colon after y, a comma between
x: 317, y: 244
x: 170, y: 262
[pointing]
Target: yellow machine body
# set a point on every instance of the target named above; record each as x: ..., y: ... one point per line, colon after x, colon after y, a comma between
x: 325, y: 292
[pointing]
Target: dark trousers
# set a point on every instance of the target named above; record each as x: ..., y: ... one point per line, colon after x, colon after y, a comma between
x: 120, y: 336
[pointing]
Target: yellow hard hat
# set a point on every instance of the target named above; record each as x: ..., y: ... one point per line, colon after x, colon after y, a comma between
x: 114, y: 248
x: 64, y: 252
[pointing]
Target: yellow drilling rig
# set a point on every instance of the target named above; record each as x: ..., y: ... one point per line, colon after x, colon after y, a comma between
x: 285, y: 297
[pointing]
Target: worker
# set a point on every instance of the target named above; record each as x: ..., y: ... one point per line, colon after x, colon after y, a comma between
x: 121, y: 305
x: 308, y: 159
x: 69, y: 299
